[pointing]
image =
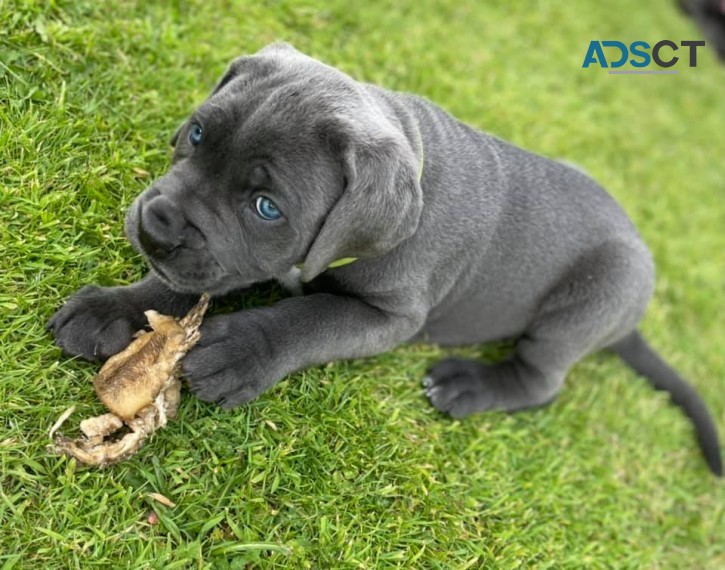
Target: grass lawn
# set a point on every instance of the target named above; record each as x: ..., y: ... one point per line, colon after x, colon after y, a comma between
x: 346, y: 465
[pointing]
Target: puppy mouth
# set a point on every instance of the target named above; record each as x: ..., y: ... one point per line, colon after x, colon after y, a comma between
x: 185, y: 270
x: 214, y: 280
x: 158, y: 270
x: 190, y: 280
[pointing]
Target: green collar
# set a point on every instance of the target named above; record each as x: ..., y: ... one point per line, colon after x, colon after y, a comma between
x: 348, y: 260
x: 336, y: 263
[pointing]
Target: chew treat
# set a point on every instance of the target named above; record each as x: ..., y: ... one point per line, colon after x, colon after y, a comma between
x: 141, y: 388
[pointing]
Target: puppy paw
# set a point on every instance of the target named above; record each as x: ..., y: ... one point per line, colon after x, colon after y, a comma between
x: 95, y: 323
x: 457, y: 386
x: 227, y: 366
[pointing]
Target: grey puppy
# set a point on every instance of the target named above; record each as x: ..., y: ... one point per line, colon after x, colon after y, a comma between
x: 710, y: 16
x: 291, y: 166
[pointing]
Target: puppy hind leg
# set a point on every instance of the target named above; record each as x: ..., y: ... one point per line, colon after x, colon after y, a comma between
x: 461, y: 387
x: 599, y: 300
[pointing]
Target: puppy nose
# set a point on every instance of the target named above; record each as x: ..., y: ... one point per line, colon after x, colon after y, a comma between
x: 161, y: 226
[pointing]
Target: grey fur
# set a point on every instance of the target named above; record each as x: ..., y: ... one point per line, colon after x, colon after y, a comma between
x: 492, y: 242
x: 710, y: 17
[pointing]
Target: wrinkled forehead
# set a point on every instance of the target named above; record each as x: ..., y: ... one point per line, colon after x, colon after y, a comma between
x: 281, y: 90
x: 279, y: 65
x: 269, y: 107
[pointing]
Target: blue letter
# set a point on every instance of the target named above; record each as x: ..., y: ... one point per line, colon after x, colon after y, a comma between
x: 636, y: 52
x: 595, y: 49
x: 622, y: 49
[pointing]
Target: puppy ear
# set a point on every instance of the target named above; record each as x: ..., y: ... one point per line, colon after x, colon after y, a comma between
x: 256, y: 64
x: 231, y: 72
x: 250, y: 64
x: 175, y: 136
x: 380, y: 205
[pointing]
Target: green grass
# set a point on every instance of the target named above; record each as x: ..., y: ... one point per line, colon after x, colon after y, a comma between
x: 346, y: 466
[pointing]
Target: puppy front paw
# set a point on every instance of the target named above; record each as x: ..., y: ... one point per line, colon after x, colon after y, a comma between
x: 95, y: 323
x: 229, y: 365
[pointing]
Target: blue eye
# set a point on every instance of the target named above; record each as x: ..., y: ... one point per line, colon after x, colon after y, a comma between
x: 267, y: 209
x: 195, y: 134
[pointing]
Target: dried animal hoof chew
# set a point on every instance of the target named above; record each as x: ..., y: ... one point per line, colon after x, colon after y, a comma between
x: 141, y: 388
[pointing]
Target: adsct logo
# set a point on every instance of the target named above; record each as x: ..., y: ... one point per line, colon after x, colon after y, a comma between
x: 662, y: 54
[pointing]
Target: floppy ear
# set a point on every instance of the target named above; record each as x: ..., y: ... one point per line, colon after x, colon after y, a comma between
x: 232, y: 71
x: 175, y: 136
x: 251, y: 64
x: 380, y: 205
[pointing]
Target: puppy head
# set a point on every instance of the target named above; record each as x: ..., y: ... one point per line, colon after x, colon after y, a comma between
x: 288, y: 161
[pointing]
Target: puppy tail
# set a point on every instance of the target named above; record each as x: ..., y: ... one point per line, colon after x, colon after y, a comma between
x: 635, y: 352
